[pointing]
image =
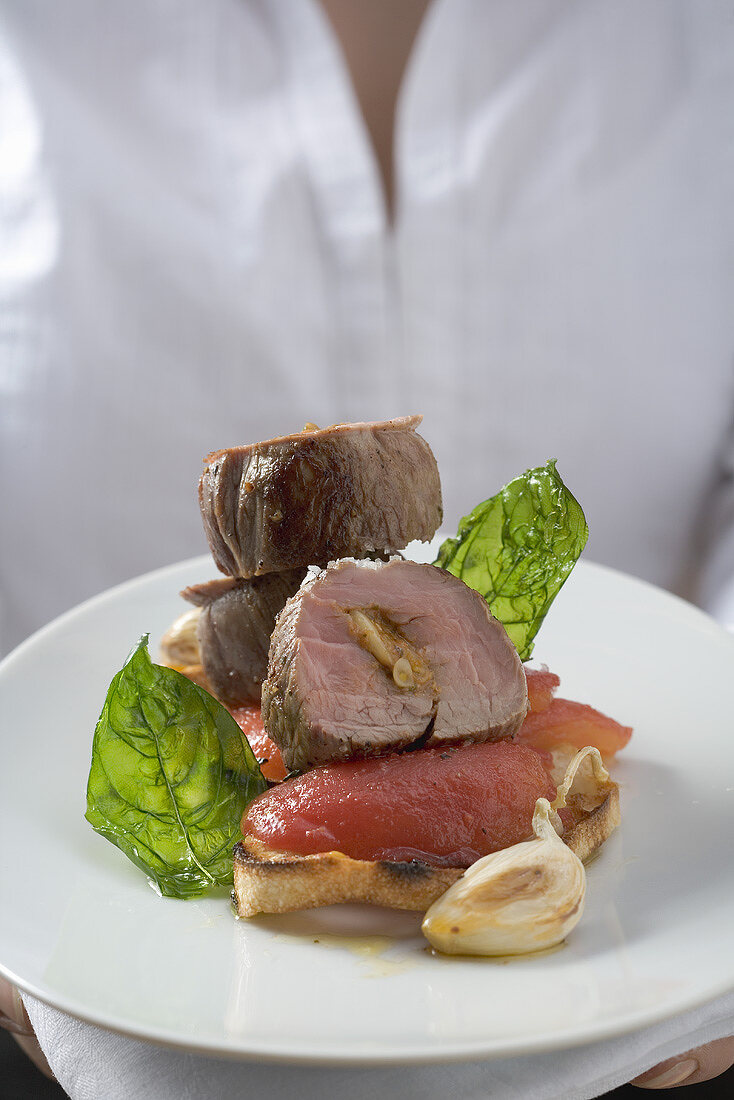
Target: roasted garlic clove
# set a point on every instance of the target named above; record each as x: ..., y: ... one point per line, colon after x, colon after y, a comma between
x: 522, y: 899
x: 179, y: 645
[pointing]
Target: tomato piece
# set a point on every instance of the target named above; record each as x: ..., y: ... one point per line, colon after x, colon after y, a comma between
x: 567, y: 722
x: 542, y: 685
x: 250, y: 722
x: 445, y: 806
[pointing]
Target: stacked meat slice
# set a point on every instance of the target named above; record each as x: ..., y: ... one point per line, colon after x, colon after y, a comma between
x: 372, y: 657
x: 311, y: 498
x: 271, y: 509
x: 234, y: 627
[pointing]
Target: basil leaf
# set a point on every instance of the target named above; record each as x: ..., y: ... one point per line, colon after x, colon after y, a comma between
x: 171, y: 776
x: 518, y: 548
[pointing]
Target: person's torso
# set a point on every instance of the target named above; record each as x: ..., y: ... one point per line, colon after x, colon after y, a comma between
x: 197, y: 254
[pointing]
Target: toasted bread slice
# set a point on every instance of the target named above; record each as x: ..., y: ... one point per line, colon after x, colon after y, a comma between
x: 268, y: 881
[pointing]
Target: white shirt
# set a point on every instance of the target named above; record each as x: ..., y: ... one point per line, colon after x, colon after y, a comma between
x: 194, y: 253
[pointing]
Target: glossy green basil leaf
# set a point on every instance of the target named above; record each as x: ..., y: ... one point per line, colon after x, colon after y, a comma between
x: 518, y: 548
x: 171, y: 776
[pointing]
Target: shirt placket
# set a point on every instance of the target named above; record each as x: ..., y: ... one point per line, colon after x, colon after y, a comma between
x: 349, y: 209
x: 431, y: 217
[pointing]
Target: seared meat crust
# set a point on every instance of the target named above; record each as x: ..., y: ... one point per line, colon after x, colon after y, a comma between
x: 234, y: 627
x: 319, y: 495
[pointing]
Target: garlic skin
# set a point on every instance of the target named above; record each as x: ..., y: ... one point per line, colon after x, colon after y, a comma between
x: 522, y: 899
x: 180, y: 644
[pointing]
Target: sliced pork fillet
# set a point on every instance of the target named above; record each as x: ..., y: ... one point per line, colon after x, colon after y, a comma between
x: 369, y: 657
x: 319, y: 495
x: 233, y: 630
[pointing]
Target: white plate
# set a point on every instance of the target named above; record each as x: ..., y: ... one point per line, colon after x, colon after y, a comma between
x: 81, y: 928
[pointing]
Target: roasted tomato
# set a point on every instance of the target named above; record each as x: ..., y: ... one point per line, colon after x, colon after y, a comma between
x: 445, y: 806
x: 542, y: 686
x: 551, y: 722
x: 271, y: 763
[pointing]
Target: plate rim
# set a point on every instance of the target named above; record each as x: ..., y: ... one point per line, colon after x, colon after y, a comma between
x: 409, y: 1056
